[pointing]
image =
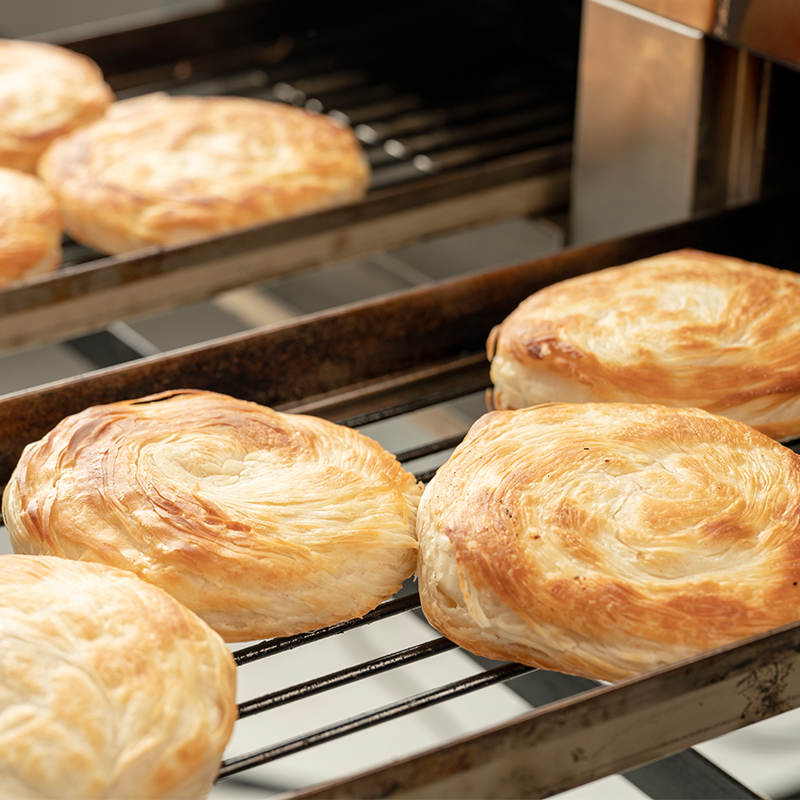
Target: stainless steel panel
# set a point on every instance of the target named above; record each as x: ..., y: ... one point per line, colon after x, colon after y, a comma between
x: 669, y: 122
x: 637, y: 121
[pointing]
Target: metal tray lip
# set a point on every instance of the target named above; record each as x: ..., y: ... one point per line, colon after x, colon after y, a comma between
x: 135, y: 23
x: 583, y: 258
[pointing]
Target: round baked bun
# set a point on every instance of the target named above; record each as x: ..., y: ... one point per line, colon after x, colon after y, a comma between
x: 159, y: 170
x: 685, y: 328
x: 31, y: 228
x: 45, y: 92
x: 109, y: 688
x: 265, y: 524
x: 606, y: 539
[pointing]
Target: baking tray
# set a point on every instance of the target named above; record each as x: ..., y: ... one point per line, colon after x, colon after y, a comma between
x: 462, y: 123
x: 410, y: 350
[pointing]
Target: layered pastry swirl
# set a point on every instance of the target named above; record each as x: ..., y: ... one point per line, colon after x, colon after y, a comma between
x: 109, y: 688
x: 31, y: 228
x: 46, y: 91
x: 607, y: 539
x: 265, y: 524
x: 685, y: 328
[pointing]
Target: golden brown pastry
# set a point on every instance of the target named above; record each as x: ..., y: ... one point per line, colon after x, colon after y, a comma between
x: 109, y: 688
x: 45, y: 92
x: 265, y: 524
x: 159, y: 170
x: 607, y: 539
x: 685, y: 328
x: 31, y: 227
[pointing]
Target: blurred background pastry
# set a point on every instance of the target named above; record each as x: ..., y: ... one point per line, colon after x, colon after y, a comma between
x: 161, y: 169
x: 31, y: 227
x: 45, y: 92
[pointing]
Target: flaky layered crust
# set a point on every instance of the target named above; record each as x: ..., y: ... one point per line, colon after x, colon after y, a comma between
x: 46, y: 91
x: 265, y: 524
x: 109, y: 688
x: 685, y: 328
x: 160, y: 170
x: 608, y: 539
x: 31, y: 227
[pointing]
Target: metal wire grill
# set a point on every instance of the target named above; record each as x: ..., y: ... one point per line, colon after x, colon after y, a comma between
x: 407, y: 601
x: 393, y: 660
x: 688, y: 772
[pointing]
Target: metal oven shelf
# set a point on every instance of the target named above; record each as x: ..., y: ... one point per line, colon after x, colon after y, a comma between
x: 461, y: 126
x: 375, y: 360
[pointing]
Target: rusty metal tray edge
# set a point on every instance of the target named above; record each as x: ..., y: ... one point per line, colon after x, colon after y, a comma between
x: 601, y: 731
x: 81, y: 298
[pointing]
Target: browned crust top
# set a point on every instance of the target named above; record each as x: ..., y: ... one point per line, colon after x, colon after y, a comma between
x: 635, y: 530
x: 263, y: 523
x: 683, y: 328
x: 158, y: 169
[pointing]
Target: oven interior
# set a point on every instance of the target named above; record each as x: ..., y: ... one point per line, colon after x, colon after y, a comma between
x: 433, y: 91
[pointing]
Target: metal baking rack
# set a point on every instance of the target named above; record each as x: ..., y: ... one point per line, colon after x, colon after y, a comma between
x: 430, y: 350
x: 462, y: 126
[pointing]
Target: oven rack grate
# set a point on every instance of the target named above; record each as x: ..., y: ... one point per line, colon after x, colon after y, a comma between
x: 413, y: 89
x: 463, y: 124
x: 433, y: 647
x: 407, y: 601
x: 685, y: 774
x: 668, y: 777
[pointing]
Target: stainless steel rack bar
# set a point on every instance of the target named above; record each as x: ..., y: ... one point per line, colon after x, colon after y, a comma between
x: 602, y: 731
x: 423, y: 700
x: 273, y: 646
x: 374, y: 667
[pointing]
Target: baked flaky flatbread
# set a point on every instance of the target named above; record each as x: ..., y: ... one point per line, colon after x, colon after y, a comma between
x: 109, y: 688
x: 159, y: 170
x: 607, y: 539
x: 685, y: 328
x: 31, y: 228
x: 46, y: 91
x: 265, y: 524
